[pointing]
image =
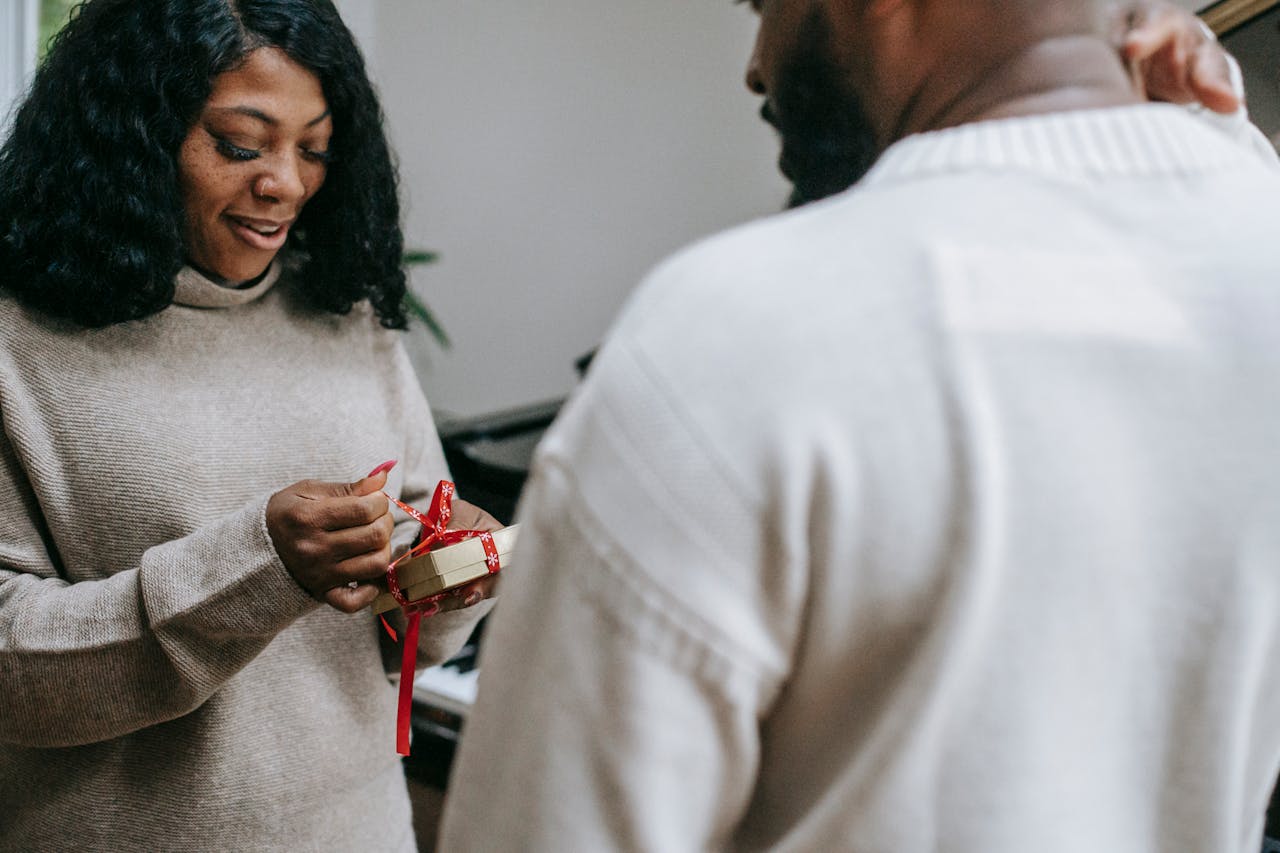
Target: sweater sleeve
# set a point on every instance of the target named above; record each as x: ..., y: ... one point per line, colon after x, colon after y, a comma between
x: 637, y: 603
x: 441, y: 636
x: 90, y: 661
x: 656, y: 754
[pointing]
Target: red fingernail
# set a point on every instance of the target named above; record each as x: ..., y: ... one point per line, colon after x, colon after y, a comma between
x: 385, y: 466
x: 473, y: 599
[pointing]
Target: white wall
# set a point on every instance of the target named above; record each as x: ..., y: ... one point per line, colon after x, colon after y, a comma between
x: 361, y: 17
x: 552, y: 152
x: 19, y: 21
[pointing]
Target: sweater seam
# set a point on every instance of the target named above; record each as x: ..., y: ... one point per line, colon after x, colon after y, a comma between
x: 753, y: 502
x: 656, y: 603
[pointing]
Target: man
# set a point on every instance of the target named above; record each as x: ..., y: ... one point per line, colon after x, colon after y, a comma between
x: 940, y: 515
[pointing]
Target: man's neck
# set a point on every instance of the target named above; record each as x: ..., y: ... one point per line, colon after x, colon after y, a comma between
x: 1056, y: 74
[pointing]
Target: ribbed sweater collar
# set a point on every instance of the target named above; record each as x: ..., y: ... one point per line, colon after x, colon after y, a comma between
x: 1145, y: 140
x: 196, y: 290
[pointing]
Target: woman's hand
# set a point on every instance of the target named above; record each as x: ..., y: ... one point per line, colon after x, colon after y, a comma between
x: 1174, y: 57
x: 331, y: 535
x: 468, y: 516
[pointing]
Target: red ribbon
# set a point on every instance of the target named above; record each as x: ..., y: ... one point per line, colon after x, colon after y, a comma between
x: 434, y: 535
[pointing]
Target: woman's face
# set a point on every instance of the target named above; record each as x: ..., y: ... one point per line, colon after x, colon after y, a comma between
x: 256, y: 154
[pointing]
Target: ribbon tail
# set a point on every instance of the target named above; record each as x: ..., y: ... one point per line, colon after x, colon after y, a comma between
x: 408, y: 664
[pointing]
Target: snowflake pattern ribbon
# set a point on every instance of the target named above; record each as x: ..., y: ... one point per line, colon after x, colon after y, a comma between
x: 434, y: 535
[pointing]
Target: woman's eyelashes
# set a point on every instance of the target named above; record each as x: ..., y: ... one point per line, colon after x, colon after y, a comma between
x: 324, y: 157
x: 231, y: 151
x: 240, y: 154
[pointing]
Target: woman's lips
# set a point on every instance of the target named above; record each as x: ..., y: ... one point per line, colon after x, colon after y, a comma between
x: 260, y: 233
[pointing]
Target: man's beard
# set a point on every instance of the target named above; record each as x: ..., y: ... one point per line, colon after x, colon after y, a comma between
x: 828, y: 142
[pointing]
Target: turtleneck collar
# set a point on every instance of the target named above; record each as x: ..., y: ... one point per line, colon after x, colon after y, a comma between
x: 196, y: 290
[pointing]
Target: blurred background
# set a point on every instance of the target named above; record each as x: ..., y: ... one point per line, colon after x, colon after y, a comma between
x: 552, y: 153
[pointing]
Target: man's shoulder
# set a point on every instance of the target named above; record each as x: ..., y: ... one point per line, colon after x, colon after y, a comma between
x: 748, y: 273
x: 766, y: 317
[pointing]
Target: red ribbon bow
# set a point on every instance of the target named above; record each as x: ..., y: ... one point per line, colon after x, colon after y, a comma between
x: 434, y: 535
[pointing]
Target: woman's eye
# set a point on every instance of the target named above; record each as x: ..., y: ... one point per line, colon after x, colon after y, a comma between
x: 322, y: 157
x: 234, y: 152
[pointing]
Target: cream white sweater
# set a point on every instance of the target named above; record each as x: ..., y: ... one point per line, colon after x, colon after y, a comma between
x: 165, y: 684
x: 940, y: 516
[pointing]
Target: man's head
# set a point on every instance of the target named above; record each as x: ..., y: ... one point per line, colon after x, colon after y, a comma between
x: 813, y: 62
x: 844, y: 79
x: 828, y: 142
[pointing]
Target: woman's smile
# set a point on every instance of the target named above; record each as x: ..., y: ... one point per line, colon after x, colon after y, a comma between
x: 262, y: 234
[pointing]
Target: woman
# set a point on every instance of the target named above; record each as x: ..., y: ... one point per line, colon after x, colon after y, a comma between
x: 199, y: 266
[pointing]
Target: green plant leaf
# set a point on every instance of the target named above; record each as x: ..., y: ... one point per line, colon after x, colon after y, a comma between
x: 416, y: 305
x: 419, y: 310
x: 415, y: 257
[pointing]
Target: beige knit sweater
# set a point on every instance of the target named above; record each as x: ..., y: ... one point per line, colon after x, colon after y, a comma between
x: 165, y: 684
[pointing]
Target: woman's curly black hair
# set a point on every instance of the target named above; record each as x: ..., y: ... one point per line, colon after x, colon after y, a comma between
x: 91, y: 215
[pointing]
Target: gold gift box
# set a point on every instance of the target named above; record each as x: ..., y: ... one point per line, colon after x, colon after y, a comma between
x: 445, y: 568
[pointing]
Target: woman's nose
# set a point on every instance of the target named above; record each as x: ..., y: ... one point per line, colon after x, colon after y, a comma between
x: 282, y: 182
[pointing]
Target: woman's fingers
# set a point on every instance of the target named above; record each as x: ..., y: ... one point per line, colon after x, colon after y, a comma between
x: 363, y: 568
x: 330, y: 534
x: 468, y: 516
x: 1210, y: 79
x: 1176, y: 58
x: 470, y: 594
x: 351, y: 599
x: 352, y: 542
x: 340, y: 513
